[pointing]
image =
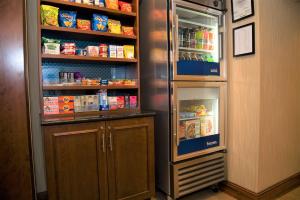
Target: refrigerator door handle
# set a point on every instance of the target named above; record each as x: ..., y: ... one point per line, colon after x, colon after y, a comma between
x: 175, y: 135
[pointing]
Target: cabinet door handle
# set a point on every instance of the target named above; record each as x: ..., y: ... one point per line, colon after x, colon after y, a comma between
x: 103, y: 143
x: 110, y: 138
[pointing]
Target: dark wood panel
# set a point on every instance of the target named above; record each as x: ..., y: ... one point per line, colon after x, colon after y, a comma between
x: 76, y: 161
x: 130, y: 159
x: 15, y: 168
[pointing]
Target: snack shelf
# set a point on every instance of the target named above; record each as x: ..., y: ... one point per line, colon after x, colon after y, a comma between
x: 82, y: 87
x: 89, y: 114
x: 86, y: 32
x: 90, y: 7
x: 86, y: 58
x: 192, y: 118
x: 195, y: 50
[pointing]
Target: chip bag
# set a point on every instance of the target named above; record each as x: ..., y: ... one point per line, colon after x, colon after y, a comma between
x: 124, y: 6
x: 127, y: 30
x: 128, y: 51
x: 114, y: 26
x: 49, y: 15
x: 67, y: 19
x: 99, y: 23
x: 83, y: 24
x: 112, y: 4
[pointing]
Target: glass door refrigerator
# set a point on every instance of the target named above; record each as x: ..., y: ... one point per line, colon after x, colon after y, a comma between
x: 183, y: 79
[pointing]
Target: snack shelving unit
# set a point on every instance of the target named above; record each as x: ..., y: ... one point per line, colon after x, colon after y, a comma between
x: 95, y: 66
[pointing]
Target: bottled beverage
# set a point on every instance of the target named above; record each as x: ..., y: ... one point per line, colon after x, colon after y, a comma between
x: 192, y: 38
x: 205, y: 39
x: 181, y: 37
x: 199, y: 37
x: 210, y: 41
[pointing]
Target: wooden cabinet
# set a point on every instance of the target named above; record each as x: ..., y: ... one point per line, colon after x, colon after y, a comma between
x: 130, y: 159
x: 100, y: 160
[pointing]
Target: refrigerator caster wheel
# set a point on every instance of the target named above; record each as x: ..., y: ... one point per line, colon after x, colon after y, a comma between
x: 215, y: 188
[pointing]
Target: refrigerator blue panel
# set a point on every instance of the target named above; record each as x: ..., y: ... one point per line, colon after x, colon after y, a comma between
x: 198, y: 144
x: 198, y: 68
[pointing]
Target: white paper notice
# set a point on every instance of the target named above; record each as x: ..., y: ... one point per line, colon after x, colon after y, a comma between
x: 241, y: 8
x: 243, y: 40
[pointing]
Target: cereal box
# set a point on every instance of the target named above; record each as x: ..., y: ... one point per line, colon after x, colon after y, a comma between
x: 120, y: 102
x: 66, y: 104
x: 51, y: 106
x: 133, y: 101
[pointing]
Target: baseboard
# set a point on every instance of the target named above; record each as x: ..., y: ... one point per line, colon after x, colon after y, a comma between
x: 42, y: 195
x: 272, y: 192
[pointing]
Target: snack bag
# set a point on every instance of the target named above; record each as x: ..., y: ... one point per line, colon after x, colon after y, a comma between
x: 114, y: 26
x: 127, y: 30
x: 83, y: 24
x: 99, y: 23
x: 49, y: 15
x: 124, y: 6
x: 128, y: 51
x: 67, y: 19
x: 112, y: 4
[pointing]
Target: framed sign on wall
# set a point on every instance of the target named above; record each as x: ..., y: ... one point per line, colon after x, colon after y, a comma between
x: 241, y: 9
x: 244, y: 40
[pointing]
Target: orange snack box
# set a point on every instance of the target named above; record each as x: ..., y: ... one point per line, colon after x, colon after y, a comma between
x: 66, y: 104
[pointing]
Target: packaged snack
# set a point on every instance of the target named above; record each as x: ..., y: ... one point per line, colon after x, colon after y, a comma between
x: 206, y: 124
x: 99, y: 3
x: 68, y: 48
x: 112, y: 49
x: 103, y: 102
x: 51, y: 105
x: 92, y: 103
x: 67, y: 19
x: 120, y: 52
x: 104, y: 82
x: 191, y: 128
x: 66, y: 104
x: 128, y: 51
x: 78, y: 1
x: 114, y: 26
x: 92, y: 50
x: 81, y: 52
x: 49, y: 15
x: 99, y: 23
x: 127, y: 104
x: 112, y: 4
x: 88, y: 2
x: 83, y: 103
x: 51, y: 48
x: 124, y: 6
x: 133, y: 102
x: 77, y: 104
x: 103, y: 50
x: 113, y: 103
x: 83, y: 24
x: 127, y: 30
x: 120, y: 102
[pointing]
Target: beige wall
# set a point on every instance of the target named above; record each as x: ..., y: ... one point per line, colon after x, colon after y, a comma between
x: 264, y: 98
x: 279, y: 144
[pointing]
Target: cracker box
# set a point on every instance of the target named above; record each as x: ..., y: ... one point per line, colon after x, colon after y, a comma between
x: 112, y: 50
x: 133, y: 101
x: 66, y: 104
x: 92, y: 102
x: 120, y: 52
x: 113, y: 103
x: 120, y: 102
x: 51, y: 106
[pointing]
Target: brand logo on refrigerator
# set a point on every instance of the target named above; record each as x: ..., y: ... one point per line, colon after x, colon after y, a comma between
x: 211, y: 143
x: 214, y: 70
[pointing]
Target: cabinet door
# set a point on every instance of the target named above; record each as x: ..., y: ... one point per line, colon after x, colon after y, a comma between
x: 130, y: 159
x: 76, y: 161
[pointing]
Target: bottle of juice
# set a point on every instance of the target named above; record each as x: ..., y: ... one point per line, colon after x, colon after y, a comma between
x: 211, y: 40
x: 199, y: 37
x: 205, y: 39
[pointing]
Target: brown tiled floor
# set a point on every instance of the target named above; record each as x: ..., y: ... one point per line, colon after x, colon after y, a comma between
x: 209, y: 195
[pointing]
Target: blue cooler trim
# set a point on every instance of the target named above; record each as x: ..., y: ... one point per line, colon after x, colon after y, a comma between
x: 196, y: 68
x: 198, y: 144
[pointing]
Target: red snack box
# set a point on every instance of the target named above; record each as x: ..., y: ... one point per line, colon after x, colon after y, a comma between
x: 66, y: 104
x: 133, y: 101
x: 51, y: 106
x: 124, y: 6
x: 121, y: 102
x: 68, y: 48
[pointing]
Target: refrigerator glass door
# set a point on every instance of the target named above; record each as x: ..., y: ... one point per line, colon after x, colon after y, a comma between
x: 200, y: 118
x: 196, y: 42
